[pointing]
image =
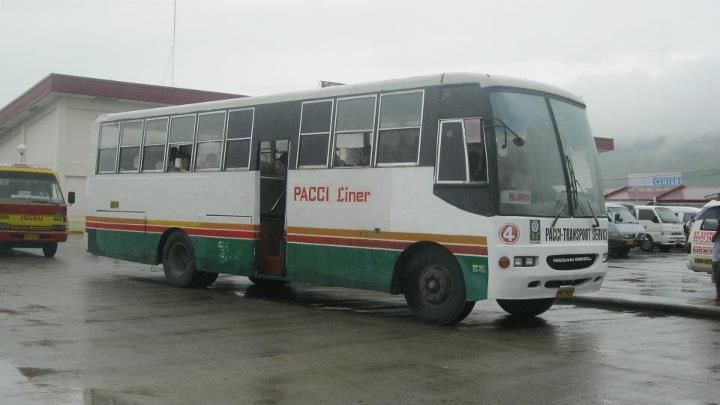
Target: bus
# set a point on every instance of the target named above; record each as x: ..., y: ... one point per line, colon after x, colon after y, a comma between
x: 449, y: 189
x: 33, y: 212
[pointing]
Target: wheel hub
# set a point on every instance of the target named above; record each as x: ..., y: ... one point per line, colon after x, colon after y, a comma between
x: 435, y: 285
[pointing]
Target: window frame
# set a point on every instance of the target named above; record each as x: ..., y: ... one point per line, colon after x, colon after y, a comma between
x: 375, y: 123
x: 329, y: 133
x: 227, y: 140
x: 197, y: 142
x: 419, y: 127
x: 99, y: 149
x: 439, y: 148
x: 139, y: 145
x: 164, y: 144
x: 191, y: 143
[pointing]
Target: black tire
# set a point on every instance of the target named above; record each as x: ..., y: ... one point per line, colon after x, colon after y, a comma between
x: 49, y: 250
x: 435, y: 288
x: 526, y: 308
x: 664, y: 249
x: 647, y: 244
x: 267, y: 283
x: 179, y: 263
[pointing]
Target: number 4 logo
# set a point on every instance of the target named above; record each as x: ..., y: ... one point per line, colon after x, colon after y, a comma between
x: 509, y: 233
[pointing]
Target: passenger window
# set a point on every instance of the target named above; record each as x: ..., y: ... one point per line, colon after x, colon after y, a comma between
x: 314, y: 133
x: 211, y: 127
x: 107, y: 151
x: 451, y: 166
x: 710, y: 213
x: 130, y: 137
x: 399, y: 133
x: 182, y: 132
x: 354, y: 125
x: 239, y: 137
x: 154, y: 146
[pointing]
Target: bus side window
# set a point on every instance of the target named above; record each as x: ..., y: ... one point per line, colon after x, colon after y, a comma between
x: 154, y: 145
x: 107, y: 147
x: 211, y: 128
x: 182, y: 134
x: 314, y: 133
x: 399, y: 130
x: 239, y: 136
x: 130, y: 137
x: 477, y: 165
x: 354, y: 124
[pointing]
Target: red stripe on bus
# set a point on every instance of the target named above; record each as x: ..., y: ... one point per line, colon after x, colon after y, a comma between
x: 381, y: 244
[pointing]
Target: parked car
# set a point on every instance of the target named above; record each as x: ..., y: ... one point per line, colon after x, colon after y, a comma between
x: 663, y: 229
x: 700, y: 240
x: 624, y: 230
x: 685, y: 215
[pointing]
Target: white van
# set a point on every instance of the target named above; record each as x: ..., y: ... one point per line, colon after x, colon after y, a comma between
x: 624, y: 230
x: 685, y: 214
x: 663, y: 229
x: 700, y: 240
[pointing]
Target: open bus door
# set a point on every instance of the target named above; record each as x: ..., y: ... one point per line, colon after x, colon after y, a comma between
x: 273, y: 184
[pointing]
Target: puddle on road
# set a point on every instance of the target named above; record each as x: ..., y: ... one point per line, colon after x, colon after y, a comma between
x: 16, y: 387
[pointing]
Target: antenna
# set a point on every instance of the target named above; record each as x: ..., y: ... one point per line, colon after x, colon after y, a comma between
x: 172, y: 50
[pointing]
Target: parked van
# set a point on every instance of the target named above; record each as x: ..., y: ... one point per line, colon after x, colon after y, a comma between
x: 33, y: 212
x: 685, y: 215
x: 662, y: 228
x: 700, y: 240
x: 624, y: 230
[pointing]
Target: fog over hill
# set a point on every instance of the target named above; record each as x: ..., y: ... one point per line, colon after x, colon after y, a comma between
x: 696, y: 156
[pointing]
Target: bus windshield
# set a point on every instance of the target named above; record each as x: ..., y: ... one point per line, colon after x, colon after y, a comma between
x: 531, y: 177
x: 29, y: 187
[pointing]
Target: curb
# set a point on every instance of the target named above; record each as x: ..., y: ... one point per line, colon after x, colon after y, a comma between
x: 651, y: 306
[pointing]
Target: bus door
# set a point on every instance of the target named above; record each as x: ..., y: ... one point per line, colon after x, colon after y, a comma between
x: 273, y: 185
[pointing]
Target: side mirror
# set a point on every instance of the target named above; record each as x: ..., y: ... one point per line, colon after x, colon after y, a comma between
x: 655, y: 219
x: 71, y: 197
x: 617, y: 217
x: 709, y: 225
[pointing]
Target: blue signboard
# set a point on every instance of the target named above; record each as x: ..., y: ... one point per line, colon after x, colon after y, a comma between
x: 666, y: 181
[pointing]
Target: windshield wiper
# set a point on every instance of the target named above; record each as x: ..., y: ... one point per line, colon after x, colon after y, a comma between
x: 517, y: 140
x: 574, y: 185
x: 559, y: 212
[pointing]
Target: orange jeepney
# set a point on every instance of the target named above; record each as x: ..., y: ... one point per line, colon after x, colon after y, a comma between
x: 33, y: 212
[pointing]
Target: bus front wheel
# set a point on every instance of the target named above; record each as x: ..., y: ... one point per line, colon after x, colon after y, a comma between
x: 179, y: 264
x: 435, y: 289
x: 526, y: 308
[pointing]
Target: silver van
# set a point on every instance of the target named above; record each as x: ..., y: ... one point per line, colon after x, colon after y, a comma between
x: 624, y: 230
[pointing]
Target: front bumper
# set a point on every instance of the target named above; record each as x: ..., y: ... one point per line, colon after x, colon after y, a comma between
x: 541, y: 280
x: 31, y: 238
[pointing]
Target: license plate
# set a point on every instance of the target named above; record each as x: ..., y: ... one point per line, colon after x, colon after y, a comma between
x: 630, y: 242
x: 564, y: 293
x: 32, y: 236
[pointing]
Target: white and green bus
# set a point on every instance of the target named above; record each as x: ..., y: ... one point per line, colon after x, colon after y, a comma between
x: 448, y: 189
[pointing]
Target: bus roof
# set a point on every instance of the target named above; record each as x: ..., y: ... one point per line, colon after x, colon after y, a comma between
x: 21, y: 167
x: 485, y: 81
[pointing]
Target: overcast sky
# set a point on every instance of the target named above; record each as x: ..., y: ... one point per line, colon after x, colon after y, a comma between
x: 643, y: 67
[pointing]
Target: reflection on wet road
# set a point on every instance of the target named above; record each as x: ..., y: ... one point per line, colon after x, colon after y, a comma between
x: 80, y: 322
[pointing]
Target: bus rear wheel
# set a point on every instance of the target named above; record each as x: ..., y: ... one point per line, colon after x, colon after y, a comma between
x: 179, y: 264
x: 435, y: 289
x: 526, y: 308
x: 50, y: 250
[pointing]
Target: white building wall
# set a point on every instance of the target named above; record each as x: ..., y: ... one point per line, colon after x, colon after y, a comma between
x: 59, y: 136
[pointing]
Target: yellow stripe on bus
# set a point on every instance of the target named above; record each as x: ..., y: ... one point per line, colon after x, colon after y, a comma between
x: 172, y: 223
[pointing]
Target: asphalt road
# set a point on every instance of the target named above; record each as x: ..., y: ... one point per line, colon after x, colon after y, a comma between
x: 78, y: 322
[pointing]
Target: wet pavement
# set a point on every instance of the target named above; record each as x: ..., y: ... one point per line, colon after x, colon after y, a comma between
x: 656, y: 281
x: 78, y: 323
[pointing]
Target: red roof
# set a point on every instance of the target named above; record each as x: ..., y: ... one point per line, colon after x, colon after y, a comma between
x: 604, y: 144
x: 87, y: 86
x: 680, y: 194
